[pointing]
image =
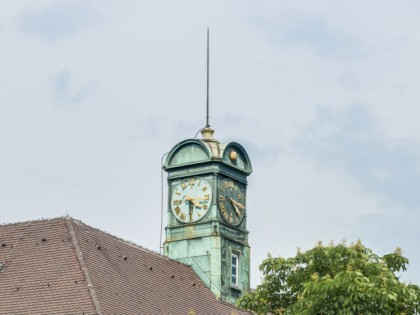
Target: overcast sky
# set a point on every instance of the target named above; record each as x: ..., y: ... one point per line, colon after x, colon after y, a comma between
x: 324, y: 96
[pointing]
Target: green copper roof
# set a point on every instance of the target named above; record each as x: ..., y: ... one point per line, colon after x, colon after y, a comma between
x: 194, y: 151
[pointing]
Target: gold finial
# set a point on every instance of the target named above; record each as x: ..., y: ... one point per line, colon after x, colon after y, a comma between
x: 207, y: 134
x: 233, y: 155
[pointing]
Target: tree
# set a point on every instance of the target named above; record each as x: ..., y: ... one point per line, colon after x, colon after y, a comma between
x: 334, y: 279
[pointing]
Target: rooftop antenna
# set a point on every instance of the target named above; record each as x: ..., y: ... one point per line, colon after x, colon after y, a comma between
x: 208, y: 70
x: 207, y: 132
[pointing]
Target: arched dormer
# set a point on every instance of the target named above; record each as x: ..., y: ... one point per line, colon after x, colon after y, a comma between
x: 235, y: 155
x: 194, y: 151
x: 187, y: 152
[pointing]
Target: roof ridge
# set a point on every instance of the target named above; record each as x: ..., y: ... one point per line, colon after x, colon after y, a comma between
x: 33, y: 221
x: 80, y: 222
x: 120, y: 239
x: 128, y: 242
x: 82, y: 265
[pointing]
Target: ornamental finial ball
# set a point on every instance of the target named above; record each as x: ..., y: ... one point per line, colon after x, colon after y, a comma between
x: 233, y: 155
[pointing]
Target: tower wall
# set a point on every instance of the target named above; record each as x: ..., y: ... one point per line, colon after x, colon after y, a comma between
x: 211, y: 240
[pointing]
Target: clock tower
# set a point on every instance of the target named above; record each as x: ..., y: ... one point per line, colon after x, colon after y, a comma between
x: 207, y: 212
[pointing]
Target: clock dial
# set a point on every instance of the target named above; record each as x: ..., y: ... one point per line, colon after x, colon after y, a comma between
x: 231, y: 201
x: 191, y: 199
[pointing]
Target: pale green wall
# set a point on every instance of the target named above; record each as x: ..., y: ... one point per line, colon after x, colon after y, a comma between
x: 207, y: 245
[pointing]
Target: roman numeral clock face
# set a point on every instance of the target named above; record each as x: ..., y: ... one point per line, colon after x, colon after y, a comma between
x: 231, y: 202
x: 191, y: 199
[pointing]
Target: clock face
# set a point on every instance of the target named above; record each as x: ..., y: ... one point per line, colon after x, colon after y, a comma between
x: 191, y: 199
x: 231, y: 201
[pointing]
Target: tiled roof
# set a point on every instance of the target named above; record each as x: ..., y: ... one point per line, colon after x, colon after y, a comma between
x: 62, y: 266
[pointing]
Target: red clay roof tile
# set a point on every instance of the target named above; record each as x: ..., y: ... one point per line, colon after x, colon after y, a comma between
x: 50, y: 264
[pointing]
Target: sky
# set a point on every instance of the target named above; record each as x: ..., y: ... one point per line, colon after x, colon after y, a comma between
x: 323, y: 95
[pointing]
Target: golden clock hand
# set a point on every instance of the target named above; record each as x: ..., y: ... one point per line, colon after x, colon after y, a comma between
x: 196, y: 203
x: 236, y: 210
x: 238, y: 204
x: 235, y: 206
x: 200, y: 198
x: 193, y: 201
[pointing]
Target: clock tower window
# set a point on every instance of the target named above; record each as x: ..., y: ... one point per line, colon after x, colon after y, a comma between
x: 235, y: 270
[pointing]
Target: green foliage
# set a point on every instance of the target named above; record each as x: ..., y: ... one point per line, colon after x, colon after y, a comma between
x: 334, y: 279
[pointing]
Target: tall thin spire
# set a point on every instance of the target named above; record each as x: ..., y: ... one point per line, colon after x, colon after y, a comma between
x: 208, y: 70
x: 207, y: 132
